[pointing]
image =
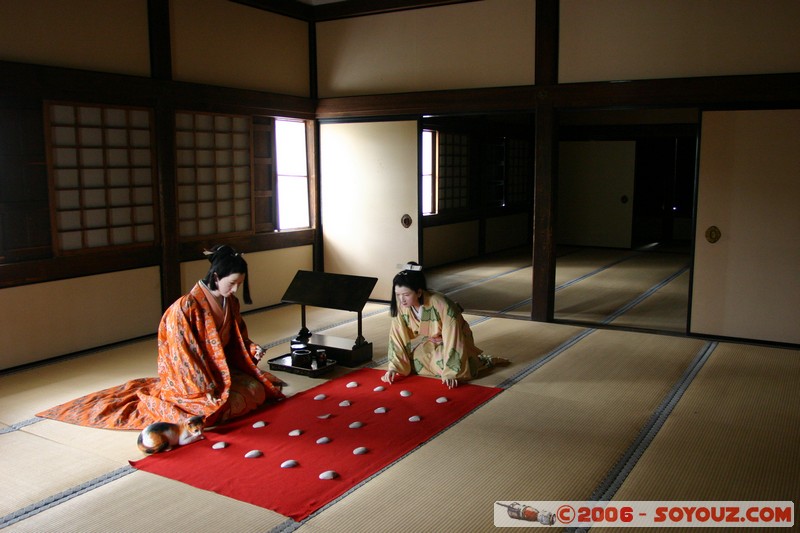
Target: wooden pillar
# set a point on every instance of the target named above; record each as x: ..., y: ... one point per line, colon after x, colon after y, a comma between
x: 544, y: 204
x: 159, y: 36
x: 161, y: 69
x: 546, y: 158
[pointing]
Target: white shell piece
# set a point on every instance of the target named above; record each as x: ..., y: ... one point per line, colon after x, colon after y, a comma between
x: 405, y: 393
x: 328, y: 474
x: 295, y: 432
x: 379, y: 388
x: 380, y: 410
x: 414, y: 418
x: 291, y: 463
x: 323, y: 417
x: 360, y: 451
x: 356, y: 425
x: 352, y: 385
x: 253, y: 453
x: 219, y: 445
x: 345, y: 403
x: 320, y: 397
x: 441, y: 399
x: 323, y: 440
x: 259, y: 424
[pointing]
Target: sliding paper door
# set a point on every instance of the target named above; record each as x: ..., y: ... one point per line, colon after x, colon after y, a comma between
x: 369, y: 181
x: 747, y: 283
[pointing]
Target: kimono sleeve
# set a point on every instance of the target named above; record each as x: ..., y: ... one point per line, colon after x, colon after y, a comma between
x: 399, y: 354
x: 186, y: 367
x: 452, y: 332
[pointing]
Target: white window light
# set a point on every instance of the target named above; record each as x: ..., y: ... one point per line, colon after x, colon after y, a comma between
x: 292, y: 167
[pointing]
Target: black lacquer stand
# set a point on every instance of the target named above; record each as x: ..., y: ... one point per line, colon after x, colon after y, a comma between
x: 332, y: 291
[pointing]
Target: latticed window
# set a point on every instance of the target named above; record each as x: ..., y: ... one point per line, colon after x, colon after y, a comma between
x: 102, y: 174
x: 214, y: 168
x: 453, y: 176
x: 519, y: 171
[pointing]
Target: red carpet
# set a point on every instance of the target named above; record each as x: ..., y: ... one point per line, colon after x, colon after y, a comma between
x: 297, y: 492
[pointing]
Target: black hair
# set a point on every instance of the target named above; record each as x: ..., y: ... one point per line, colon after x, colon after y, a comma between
x: 411, y: 277
x: 225, y: 260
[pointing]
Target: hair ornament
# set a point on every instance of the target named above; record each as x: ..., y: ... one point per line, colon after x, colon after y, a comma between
x: 222, y: 250
x: 410, y: 266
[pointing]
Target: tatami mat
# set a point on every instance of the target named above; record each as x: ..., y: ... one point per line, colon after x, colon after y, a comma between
x: 33, y: 468
x: 496, y: 294
x: 585, y: 261
x: 553, y: 436
x: 449, y: 277
x: 114, y: 445
x: 519, y: 341
x: 591, y: 286
x: 32, y: 390
x: 145, y: 503
x: 665, y: 310
x: 616, y: 366
x: 734, y: 435
x: 575, y: 401
x: 598, y: 297
x: 505, y: 450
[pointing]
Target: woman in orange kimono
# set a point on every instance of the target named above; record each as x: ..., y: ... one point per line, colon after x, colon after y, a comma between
x: 429, y: 335
x: 206, y: 362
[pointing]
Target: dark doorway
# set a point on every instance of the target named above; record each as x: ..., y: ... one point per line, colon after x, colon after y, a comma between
x: 663, y: 190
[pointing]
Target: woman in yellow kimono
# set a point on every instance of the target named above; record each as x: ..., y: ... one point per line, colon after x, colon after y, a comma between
x: 206, y: 362
x: 429, y: 335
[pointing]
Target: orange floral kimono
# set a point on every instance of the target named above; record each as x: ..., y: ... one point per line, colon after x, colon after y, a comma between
x: 412, y: 350
x: 205, y: 367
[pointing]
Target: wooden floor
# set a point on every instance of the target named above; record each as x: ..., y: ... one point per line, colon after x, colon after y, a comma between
x: 585, y: 413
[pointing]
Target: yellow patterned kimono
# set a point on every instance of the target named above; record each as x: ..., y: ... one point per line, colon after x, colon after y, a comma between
x: 412, y: 350
x: 205, y: 367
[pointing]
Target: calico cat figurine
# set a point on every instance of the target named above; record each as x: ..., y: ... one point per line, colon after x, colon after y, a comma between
x: 163, y: 436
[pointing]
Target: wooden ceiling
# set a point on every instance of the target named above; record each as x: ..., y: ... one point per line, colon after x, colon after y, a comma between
x: 322, y: 10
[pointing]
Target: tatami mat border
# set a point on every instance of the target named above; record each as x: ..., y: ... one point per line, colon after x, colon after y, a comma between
x: 566, y: 284
x: 544, y: 359
x: 63, y: 496
x: 483, y: 280
x: 622, y: 310
x: 616, y: 476
x: 19, y: 425
x: 642, y: 297
x: 596, y: 271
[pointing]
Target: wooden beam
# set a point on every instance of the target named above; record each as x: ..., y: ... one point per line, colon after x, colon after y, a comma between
x: 76, y: 265
x: 289, y: 8
x: 726, y: 92
x: 340, y: 10
x: 465, y: 101
x: 360, y: 8
x: 747, y: 91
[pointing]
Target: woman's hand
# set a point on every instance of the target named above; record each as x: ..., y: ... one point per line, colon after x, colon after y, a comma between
x: 451, y: 383
x: 259, y: 353
x: 437, y: 340
x: 388, y: 377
